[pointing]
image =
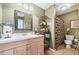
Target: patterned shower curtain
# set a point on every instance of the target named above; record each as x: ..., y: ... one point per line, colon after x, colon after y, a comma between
x: 59, y: 32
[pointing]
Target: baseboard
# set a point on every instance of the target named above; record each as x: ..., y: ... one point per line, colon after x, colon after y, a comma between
x: 53, y: 50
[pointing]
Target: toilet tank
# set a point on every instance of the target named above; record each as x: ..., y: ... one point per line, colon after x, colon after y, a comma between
x: 69, y: 37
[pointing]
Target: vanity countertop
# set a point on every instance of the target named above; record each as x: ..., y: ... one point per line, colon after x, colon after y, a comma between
x: 18, y: 38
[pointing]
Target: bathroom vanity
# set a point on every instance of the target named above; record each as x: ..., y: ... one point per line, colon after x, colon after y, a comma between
x: 26, y: 45
x: 14, y: 40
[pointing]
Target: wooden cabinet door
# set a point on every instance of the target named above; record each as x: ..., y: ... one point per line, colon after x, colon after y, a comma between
x: 40, y: 50
x: 7, y: 52
x: 22, y: 50
x: 28, y: 50
x: 32, y: 48
x: 40, y: 46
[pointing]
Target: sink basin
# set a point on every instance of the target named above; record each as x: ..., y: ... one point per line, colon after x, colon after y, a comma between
x: 24, y: 36
x: 69, y: 37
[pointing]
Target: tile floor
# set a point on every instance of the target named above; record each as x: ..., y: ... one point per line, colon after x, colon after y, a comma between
x: 62, y: 51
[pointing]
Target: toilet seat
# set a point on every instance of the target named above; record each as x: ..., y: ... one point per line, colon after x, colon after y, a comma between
x: 69, y: 42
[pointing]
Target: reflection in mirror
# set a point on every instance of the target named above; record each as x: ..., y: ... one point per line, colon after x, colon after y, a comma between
x: 23, y: 21
x: 19, y: 20
x: 20, y: 24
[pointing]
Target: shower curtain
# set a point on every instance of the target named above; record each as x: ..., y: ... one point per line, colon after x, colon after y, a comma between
x: 59, y: 32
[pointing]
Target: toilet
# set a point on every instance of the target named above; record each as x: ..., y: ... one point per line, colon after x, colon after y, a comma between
x: 68, y: 41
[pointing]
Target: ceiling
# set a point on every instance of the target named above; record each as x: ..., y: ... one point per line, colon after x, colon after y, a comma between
x: 64, y: 6
x: 44, y: 5
x: 61, y: 8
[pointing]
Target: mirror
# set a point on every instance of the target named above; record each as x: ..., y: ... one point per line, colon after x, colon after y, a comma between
x: 14, y: 14
x: 75, y: 24
x: 19, y: 20
x: 23, y: 21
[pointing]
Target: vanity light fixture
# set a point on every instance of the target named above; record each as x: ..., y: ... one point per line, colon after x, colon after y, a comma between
x: 30, y: 8
x: 27, y: 7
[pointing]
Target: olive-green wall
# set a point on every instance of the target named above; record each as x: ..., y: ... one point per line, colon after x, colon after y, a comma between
x: 68, y: 17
